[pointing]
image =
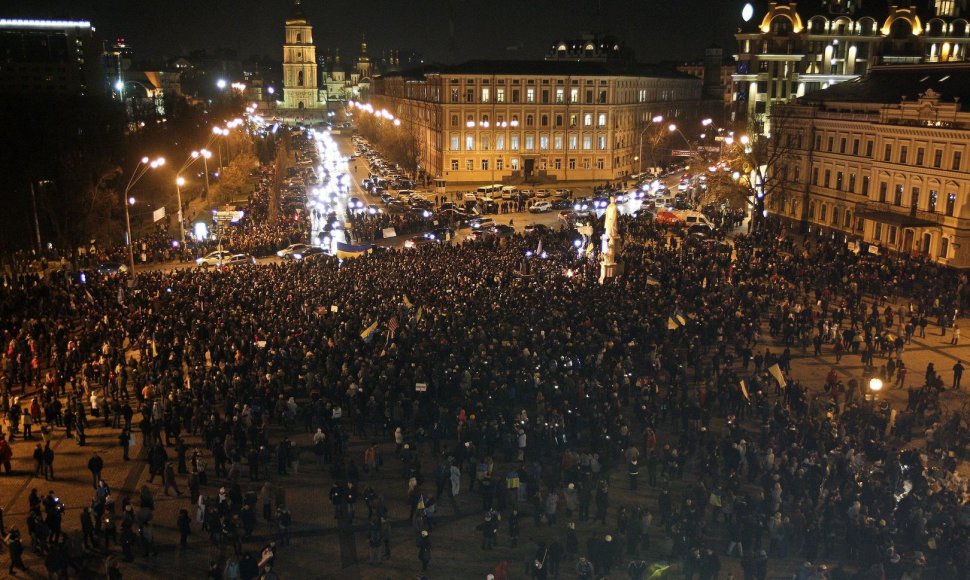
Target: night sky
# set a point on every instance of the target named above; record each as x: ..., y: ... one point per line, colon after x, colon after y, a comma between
x: 517, y: 29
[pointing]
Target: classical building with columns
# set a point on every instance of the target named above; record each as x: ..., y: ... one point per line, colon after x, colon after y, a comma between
x: 792, y: 48
x: 300, y: 80
x: 882, y: 161
x: 553, y: 120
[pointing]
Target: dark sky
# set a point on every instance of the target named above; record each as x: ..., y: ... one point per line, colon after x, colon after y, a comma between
x: 655, y: 29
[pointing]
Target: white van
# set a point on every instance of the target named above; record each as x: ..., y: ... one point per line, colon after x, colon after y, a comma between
x: 693, y: 218
x: 469, y: 196
x: 487, y: 189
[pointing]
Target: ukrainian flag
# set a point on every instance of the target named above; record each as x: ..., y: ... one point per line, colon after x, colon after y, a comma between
x: 368, y: 332
x: 345, y: 251
x: 651, y: 281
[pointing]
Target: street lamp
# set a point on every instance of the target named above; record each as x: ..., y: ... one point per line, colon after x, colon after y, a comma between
x: 205, y: 154
x: 143, y: 167
x: 221, y: 84
x: 179, y: 182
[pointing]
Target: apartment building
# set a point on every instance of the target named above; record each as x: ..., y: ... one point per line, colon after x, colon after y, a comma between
x: 881, y: 161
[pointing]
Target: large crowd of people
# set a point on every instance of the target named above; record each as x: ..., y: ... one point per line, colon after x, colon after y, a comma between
x: 532, y: 386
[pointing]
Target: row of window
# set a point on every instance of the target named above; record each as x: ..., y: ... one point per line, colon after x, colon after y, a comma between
x: 842, y: 184
x: 516, y: 142
x: 903, y: 157
x: 545, y: 96
x: 542, y: 165
x: 530, y: 120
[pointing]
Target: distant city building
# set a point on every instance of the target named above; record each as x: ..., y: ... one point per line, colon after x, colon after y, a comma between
x: 716, y: 72
x: 591, y: 47
x: 788, y: 48
x: 51, y: 57
x: 882, y: 161
x: 117, y: 59
x: 509, y: 121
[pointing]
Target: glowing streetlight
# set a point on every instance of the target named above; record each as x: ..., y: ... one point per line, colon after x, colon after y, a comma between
x: 672, y: 127
x: 745, y: 139
x: 143, y: 167
x: 706, y: 122
x: 397, y: 122
x: 179, y: 182
x: 875, y: 384
x: 221, y: 84
x: 658, y: 119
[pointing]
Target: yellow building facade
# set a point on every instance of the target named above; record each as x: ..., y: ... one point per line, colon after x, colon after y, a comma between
x: 536, y: 121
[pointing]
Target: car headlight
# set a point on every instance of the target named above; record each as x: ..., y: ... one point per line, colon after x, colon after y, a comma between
x: 199, y: 260
x: 297, y: 256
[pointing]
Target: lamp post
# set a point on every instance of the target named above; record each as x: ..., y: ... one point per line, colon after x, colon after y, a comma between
x: 179, y: 182
x: 656, y: 120
x: 205, y: 154
x: 143, y: 167
x: 673, y: 128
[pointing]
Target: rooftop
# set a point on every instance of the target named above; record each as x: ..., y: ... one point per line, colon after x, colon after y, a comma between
x: 543, y: 68
x: 895, y: 83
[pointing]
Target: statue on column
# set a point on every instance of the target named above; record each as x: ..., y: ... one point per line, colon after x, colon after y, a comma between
x: 611, y: 242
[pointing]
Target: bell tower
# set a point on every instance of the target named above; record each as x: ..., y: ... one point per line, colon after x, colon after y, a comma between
x: 300, y: 83
x: 363, y: 61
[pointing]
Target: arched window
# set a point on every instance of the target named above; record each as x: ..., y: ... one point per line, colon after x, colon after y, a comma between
x: 901, y: 28
x: 299, y: 79
x: 299, y: 37
x: 944, y: 247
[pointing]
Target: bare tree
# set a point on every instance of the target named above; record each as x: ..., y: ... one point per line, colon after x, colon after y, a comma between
x: 758, y: 170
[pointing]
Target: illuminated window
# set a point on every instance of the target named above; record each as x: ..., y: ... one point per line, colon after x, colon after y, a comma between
x: 588, y: 120
x: 514, y: 142
x: 500, y: 95
x: 514, y: 162
x: 601, y: 120
x: 587, y: 142
x: 951, y: 203
x: 469, y: 142
x: 486, y: 94
x: 557, y: 142
x: 560, y: 95
x: 544, y: 142
x: 455, y: 142
x: 500, y: 142
x: 530, y: 142
x: 530, y: 95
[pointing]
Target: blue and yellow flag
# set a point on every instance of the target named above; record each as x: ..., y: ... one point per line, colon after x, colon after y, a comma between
x: 368, y: 333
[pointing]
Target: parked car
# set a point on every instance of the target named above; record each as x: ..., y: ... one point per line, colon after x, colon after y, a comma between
x: 309, y: 252
x: 419, y: 241
x: 541, y: 207
x: 536, y: 229
x: 292, y: 249
x: 213, y: 258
